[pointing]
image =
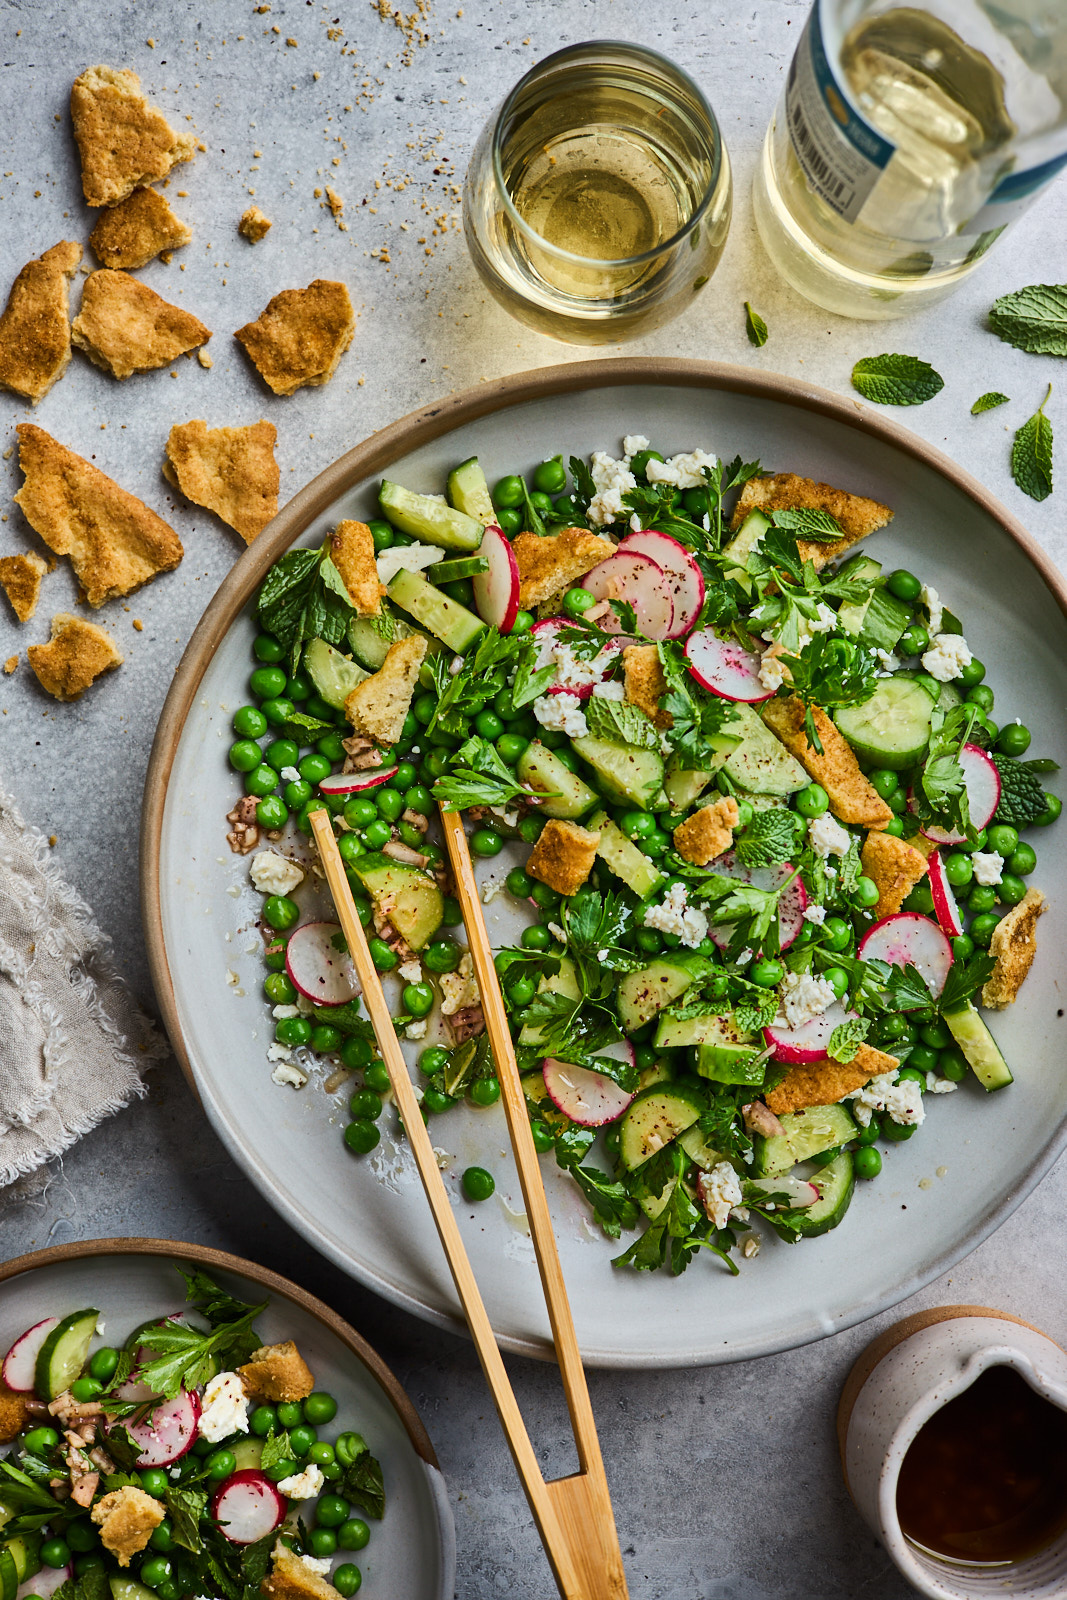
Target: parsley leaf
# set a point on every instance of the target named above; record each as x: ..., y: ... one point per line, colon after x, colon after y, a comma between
x: 942, y: 791
x: 896, y: 380
x: 612, y: 1206
x: 697, y: 716
x: 755, y: 326
x: 720, y: 480
x: 830, y: 671
x: 989, y: 401
x: 584, y: 487
x: 1033, y: 319
x: 847, y: 1038
x: 217, y: 1305
x: 480, y: 777
x: 1031, y: 454
x: 485, y: 671
x: 770, y: 838
x: 807, y: 522
x: 1022, y: 799
x: 964, y: 979
x: 531, y: 519
x: 907, y: 989
x: 183, y: 1357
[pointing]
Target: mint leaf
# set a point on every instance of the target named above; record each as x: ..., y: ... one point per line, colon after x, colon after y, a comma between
x: 987, y: 402
x: 619, y: 722
x: 846, y: 1039
x: 1022, y: 799
x: 896, y: 380
x: 1031, y: 454
x: 1033, y: 319
x: 807, y: 522
x: 755, y: 326
x: 185, y: 1508
x: 768, y: 840
x: 276, y: 1447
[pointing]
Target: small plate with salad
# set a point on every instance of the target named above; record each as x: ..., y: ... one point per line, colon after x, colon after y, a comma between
x: 175, y: 1422
x: 714, y: 676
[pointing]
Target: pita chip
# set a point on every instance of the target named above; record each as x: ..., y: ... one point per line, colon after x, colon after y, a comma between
x: 352, y: 553
x: 125, y: 327
x: 35, y: 329
x: 122, y: 139
x: 136, y: 230
x: 20, y: 579
x: 230, y: 471
x: 858, y: 516
x: 115, y: 543
x: 74, y: 657
x: 299, y: 339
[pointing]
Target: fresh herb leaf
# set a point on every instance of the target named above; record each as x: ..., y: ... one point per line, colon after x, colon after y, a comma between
x: 619, y: 722
x: 1031, y: 454
x: 276, y: 1447
x: 284, y: 593
x: 1033, y: 319
x: 989, y: 402
x: 216, y: 1303
x: 584, y: 488
x: 758, y: 1010
x: 896, y: 380
x: 185, y: 1508
x: 720, y: 480
x: 1022, y: 799
x: 480, y: 778
x: 530, y: 682
x: 769, y: 839
x: 362, y: 1483
x: 907, y: 989
x: 184, y: 1357
x: 755, y: 326
x: 808, y: 522
x: 485, y: 671
x: 697, y: 716
x: 531, y: 519
x: 942, y: 791
x: 828, y: 672
x: 964, y: 979
x: 121, y: 1446
x: 847, y: 1038
x: 612, y: 1206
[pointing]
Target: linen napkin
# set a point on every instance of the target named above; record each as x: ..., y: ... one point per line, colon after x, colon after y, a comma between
x: 73, y: 1041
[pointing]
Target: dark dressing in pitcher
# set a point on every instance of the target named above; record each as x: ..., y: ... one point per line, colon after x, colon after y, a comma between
x: 985, y: 1479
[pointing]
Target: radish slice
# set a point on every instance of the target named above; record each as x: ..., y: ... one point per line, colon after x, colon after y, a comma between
x: 168, y: 1432
x: 948, y: 912
x: 790, y: 906
x: 248, y: 1506
x: 809, y: 1040
x: 44, y: 1583
x: 353, y: 782
x: 21, y: 1360
x: 320, y: 970
x: 798, y: 1191
x: 643, y: 584
x: 910, y: 940
x: 725, y: 667
x: 982, y: 782
x: 588, y: 1098
x: 552, y: 631
x: 496, y: 591
x: 684, y: 578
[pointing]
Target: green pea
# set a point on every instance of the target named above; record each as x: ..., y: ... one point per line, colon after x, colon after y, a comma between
x: 357, y: 1053
x: 897, y: 801
x: 488, y: 725
x: 162, y: 1537
x: 838, y: 980
x: 367, y: 1105
x: 922, y: 1059
x: 411, y: 836
x: 867, y: 1162
x: 894, y: 1026
x: 637, y: 824
x: 452, y: 916
x: 914, y: 640
x: 478, y: 1184
x: 262, y: 782
x: 542, y: 1135
x: 530, y: 829
x: 1010, y: 889
x: 350, y: 848
x: 323, y: 1542
x: 296, y: 794
x: 897, y: 1132
x: 656, y: 842
x: 486, y: 842
x: 535, y: 938
x: 935, y: 1035
x: 249, y: 723
x: 812, y: 801
x: 576, y: 602
x: 361, y: 1136
x: 319, y: 1409
x: 544, y: 898
x: 836, y: 934
x: 245, y: 755
x: 883, y: 782
x: 103, y: 1363
x: 867, y: 1135
x: 332, y: 747
x: 648, y: 940
x: 508, y: 492
x: 982, y: 899
x: 403, y: 777
x: 992, y: 729
x: 895, y: 826
x: 962, y: 947
x: 766, y: 972
x: 376, y: 1077
x: 485, y: 1092
x: 972, y: 675
x: 551, y: 476
x: 154, y: 1480
x: 952, y: 1064
x: 220, y: 1464
x: 1003, y: 839
x: 1014, y: 739
x: 541, y: 501
x: 639, y: 463
x: 981, y: 696
x: 867, y: 891
x: 1022, y: 861
x: 382, y: 534
x: 86, y: 1389
x: 1053, y: 807
x: 293, y: 1031
x: 272, y: 813
x: 509, y: 521
x: 436, y: 1102
x: 301, y: 1438
x: 524, y: 621
x: 959, y: 869
x: 326, y: 1039
x: 298, y: 686
x: 346, y: 1579
x: 353, y: 1534
x: 433, y: 1059
x: 390, y: 803
x: 266, y: 648
x: 40, y: 1440
x: 266, y: 683
x: 384, y: 959
x: 359, y: 812
x: 980, y: 843
x: 277, y: 710
x: 286, y: 1468
x: 519, y: 884
x: 378, y: 833
x: 280, y: 912
x: 904, y: 585
x: 417, y: 999
x: 262, y: 1420
x: 521, y: 991
x: 156, y: 1570
x: 443, y: 955
x: 915, y: 1074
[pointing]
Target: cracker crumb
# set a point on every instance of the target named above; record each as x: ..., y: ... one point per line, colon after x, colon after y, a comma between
x: 254, y: 225
x: 204, y: 358
x: 138, y: 624
x: 10, y: 664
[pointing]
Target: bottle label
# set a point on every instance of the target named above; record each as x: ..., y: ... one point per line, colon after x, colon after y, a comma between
x: 841, y: 156
x: 1012, y: 195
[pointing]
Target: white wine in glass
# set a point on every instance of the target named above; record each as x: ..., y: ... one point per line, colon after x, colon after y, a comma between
x: 597, y: 202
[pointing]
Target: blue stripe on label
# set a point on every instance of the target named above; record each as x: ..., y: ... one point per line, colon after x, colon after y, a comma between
x: 859, y: 134
x: 1019, y: 185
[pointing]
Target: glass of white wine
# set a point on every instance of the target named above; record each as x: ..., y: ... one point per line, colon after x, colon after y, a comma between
x: 598, y: 198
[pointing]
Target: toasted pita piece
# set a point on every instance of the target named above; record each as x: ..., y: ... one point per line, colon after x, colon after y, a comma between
x: 784, y: 491
x: 230, y: 471
x: 13, y: 1413
x: 352, y: 552
x: 74, y: 657
x: 123, y: 141
x: 34, y: 329
x: 646, y: 682
x: 127, y: 1517
x: 708, y: 832
x: 548, y: 566
x: 124, y: 326
x: 254, y: 225
x: 115, y: 543
x: 137, y: 230
x: 277, y: 1372
x: 10, y: 664
x: 378, y: 705
x: 301, y: 336
x: 1013, y: 945
x: 290, y: 1578
x: 563, y: 856
x: 823, y: 1083
x: 895, y: 866
x: 852, y: 799
x: 20, y: 578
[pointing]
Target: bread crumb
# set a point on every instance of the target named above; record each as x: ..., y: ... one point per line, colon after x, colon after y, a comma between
x: 254, y: 224
x: 10, y: 664
x: 74, y: 657
x: 204, y: 358
x: 138, y: 624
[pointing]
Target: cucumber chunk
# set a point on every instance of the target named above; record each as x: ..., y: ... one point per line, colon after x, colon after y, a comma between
x: 543, y: 772
x: 405, y: 894
x: 836, y: 1184
x: 732, y: 1058
x: 64, y: 1354
x: 460, y: 567
x: 628, y: 774
x: 806, y: 1133
x: 124, y: 1588
x: 622, y: 857
x: 9, y: 1578
x: 697, y: 1148
x: 654, y: 1205
x: 980, y: 1048
x: 428, y: 519
x: 652, y: 1119
x: 892, y: 728
x: 682, y: 786
x: 742, y: 545
x: 761, y: 764
x: 23, y: 1553
x: 469, y: 492
x: 457, y: 627
x: 248, y: 1453
x: 333, y: 675
x: 369, y: 638
x: 643, y: 993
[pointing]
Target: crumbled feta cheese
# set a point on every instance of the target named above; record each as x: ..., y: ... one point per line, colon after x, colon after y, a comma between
x: 232, y: 978
x: 888, y: 661
x: 224, y: 1408
x: 444, y: 1160
x: 272, y: 873
x: 405, y: 558
x: 632, y: 445
x: 750, y: 1248
x: 557, y: 932
x: 410, y: 971
x: 455, y: 666
x: 291, y: 774
x: 932, y: 601
x: 771, y: 671
x: 947, y: 657
x: 562, y: 713
x: 611, y: 690
x: 320, y: 1565
x: 279, y: 1013
x: 279, y: 1052
x: 287, y: 1075
x: 683, y: 471
x: 903, y: 1101
x: 675, y: 915
x: 491, y: 888
x: 744, y: 958
x: 720, y: 1192
x: 987, y: 867
x: 937, y: 1085
x: 302, y: 1485
x: 824, y: 621
x: 801, y: 997
x: 417, y: 1030
x: 459, y: 989
x: 827, y: 837
x: 635, y: 522
x: 816, y: 914
x: 612, y: 479
x: 574, y: 671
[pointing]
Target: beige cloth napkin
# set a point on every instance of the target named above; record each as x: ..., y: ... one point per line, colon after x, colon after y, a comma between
x: 73, y: 1041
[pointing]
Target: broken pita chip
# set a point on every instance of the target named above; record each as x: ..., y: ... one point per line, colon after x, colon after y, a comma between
x: 1013, y: 946
x: 115, y: 543
x: 852, y: 798
x: 548, y: 566
x: 137, y: 230
x: 299, y: 339
x: 230, y: 471
x: 74, y: 657
x: 707, y: 833
x: 122, y: 139
x: 377, y: 706
x: 823, y: 1083
x: 785, y: 491
x: 564, y: 855
x: 125, y: 327
x: 10, y: 664
x: 646, y: 682
x: 895, y: 867
x: 20, y: 579
x: 352, y: 553
x: 254, y: 225
x: 35, y: 329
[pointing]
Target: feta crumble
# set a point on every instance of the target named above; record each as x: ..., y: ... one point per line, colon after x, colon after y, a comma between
x: 816, y: 914
x: 888, y: 661
x: 491, y: 888
x: 801, y: 997
x: 557, y: 932
x: 947, y: 657
x: 932, y: 601
x: 291, y: 774
x: 574, y: 671
x: 405, y: 558
x: 632, y: 445
x: 459, y: 989
x: 611, y: 690
x: 224, y: 1408
x: 272, y: 873
x: 903, y: 1101
x: 683, y: 471
x: 827, y: 837
x: 410, y: 971
x: 988, y: 866
x: 612, y: 479
x: 417, y: 1030
x: 302, y: 1485
x: 937, y: 1085
x: 720, y: 1192
x: 676, y: 915
x: 561, y: 713
x: 771, y: 670
x: 320, y: 1565
x: 289, y: 1076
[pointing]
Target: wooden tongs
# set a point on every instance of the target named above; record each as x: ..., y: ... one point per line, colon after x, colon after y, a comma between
x: 573, y: 1515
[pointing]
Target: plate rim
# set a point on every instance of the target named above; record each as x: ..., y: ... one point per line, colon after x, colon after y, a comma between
x: 373, y: 454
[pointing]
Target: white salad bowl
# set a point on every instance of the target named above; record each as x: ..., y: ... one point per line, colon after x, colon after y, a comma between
x: 940, y: 1193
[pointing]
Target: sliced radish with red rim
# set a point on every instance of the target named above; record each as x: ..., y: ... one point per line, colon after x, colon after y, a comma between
x: 640, y: 582
x: 681, y: 573
x: 319, y: 965
x: 354, y: 782
x: 21, y: 1360
x: 44, y: 1583
x: 168, y: 1431
x: 807, y: 1041
x: 248, y: 1506
x: 496, y: 591
x: 945, y: 907
x: 908, y: 939
x: 982, y: 782
x: 797, y: 1191
x: 725, y: 667
x: 790, y: 906
x: 588, y: 1098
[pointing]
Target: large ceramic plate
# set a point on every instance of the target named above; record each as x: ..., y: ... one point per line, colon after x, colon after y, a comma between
x: 412, y: 1550
x: 940, y: 1193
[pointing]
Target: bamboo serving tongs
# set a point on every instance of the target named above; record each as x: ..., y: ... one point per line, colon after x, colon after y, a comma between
x: 573, y: 1515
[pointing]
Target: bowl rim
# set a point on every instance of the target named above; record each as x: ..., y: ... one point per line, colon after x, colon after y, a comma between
x: 379, y: 451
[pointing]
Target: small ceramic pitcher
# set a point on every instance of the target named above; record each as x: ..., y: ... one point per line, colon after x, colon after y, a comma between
x: 900, y: 1380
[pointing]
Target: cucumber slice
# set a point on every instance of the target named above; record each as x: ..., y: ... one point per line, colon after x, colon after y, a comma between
x: 428, y: 519
x: 629, y: 775
x: 64, y: 1354
x: 565, y: 982
x: 878, y: 621
x: 652, y: 1119
x: 333, y: 675
x: 622, y: 857
x: 835, y: 1184
x: 369, y: 638
x: 457, y: 627
x: 248, y: 1453
x: 761, y: 764
x: 806, y: 1133
x: 469, y: 492
x: 654, y: 1205
x: 543, y: 772
x: 24, y: 1551
x: 461, y: 567
x: 742, y: 545
x: 124, y: 1588
x: 980, y: 1048
x: 660, y: 1071
x: 729, y: 1056
x: 892, y: 728
x: 948, y: 697
x: 683, y: 787
x: 643, y: 993
x: 697, y: 1148
x: 672, y: 1034
x: 405, y: 894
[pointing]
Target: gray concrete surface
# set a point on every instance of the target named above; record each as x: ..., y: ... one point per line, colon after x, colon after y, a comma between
x: 726, y: 1483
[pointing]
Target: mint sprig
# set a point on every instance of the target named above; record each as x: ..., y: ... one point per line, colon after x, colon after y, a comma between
x: 755, y: 326
x: 988, y: 402
x: 896, y: 380
x: 1033, y: 319
x: 1031, y: 454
